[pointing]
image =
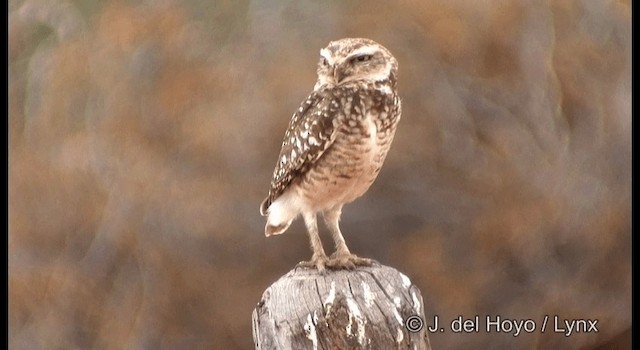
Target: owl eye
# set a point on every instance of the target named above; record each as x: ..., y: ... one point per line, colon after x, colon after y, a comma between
x: 362, y: 58
x: 325, y: 61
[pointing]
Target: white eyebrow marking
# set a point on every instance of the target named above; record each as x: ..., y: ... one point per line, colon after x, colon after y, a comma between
x: 326, y: 54
x: 365, y: 50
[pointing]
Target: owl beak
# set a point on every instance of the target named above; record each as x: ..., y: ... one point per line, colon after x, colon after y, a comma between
x: 338, y: 75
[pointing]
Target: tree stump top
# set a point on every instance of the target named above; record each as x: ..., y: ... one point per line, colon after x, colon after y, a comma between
x: 365, y: 308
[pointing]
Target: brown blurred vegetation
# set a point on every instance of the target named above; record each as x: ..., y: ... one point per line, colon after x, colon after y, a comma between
x: 142, y: 137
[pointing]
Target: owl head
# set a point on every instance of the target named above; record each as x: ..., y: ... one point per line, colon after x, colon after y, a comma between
x: 355, y: 59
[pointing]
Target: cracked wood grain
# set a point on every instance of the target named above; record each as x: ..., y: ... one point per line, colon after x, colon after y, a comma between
x: 360, y: 309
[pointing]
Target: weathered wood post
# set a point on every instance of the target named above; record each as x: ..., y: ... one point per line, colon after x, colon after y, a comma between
x: 367, y: 308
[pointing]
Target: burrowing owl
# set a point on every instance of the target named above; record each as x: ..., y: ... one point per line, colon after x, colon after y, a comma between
x: 335, y: 145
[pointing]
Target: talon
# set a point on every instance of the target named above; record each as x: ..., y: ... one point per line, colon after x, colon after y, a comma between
x: 317, y: 261
x: 348, y: 261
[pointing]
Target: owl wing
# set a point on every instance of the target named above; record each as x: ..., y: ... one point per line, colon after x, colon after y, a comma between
x: 310, y: 133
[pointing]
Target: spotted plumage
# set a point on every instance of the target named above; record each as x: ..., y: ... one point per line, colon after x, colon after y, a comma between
x: 335, y: 144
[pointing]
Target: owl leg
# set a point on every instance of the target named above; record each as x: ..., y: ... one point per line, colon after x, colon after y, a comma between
x: 319, y: 258
x: 342, y: 258
x: 332, y: 219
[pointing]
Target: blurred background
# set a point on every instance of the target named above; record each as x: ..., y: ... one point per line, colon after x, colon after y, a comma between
x: 143, y: 136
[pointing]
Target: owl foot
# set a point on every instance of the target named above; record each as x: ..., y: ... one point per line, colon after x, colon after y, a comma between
x: 348, y: 262
x: 317, y: 261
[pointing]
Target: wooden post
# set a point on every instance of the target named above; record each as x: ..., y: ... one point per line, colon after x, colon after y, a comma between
x: 367, y: 308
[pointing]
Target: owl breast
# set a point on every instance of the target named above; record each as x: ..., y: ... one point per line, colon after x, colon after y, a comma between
x: 365, y: 130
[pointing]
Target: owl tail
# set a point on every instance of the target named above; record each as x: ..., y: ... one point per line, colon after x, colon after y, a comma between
x: 279, y: 216
x: 264, y: 207
x: 272, y: 230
